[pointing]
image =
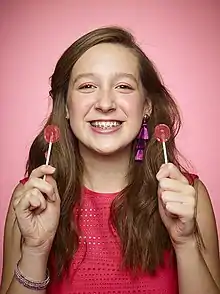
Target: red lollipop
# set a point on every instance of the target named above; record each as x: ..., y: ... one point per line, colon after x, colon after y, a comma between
x: 51, y: 135
x: 162, y: 134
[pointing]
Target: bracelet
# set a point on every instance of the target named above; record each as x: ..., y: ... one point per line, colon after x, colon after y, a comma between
x: 30, y: 284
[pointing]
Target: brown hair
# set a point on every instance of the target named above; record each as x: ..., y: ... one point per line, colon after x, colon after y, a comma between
x: 134, y: 212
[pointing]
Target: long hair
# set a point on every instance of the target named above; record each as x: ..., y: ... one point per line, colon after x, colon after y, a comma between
x: 134, y: 212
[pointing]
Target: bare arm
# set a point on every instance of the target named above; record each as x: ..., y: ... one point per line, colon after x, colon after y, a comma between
x: 199, y: 271
x: 11, y: 249
x: 13, y: 253
x: 34, y: 217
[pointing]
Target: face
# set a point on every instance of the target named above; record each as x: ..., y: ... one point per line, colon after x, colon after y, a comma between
x: 105, y: 103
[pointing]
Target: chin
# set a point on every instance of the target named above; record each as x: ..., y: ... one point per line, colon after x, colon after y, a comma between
x: 105, y: 151
x: 111, y: 151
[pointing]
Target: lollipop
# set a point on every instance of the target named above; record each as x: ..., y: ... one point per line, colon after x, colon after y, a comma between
x: 162, y: 134
x: 51, y: 135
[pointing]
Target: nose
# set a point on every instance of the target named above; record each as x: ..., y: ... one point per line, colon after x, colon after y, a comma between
x: 105, y: 102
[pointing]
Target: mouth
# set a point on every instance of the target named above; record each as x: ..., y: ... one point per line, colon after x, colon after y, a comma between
x: 105, y: 125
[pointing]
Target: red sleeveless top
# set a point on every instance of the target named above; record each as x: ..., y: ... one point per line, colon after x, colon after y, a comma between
x: 96, y: 267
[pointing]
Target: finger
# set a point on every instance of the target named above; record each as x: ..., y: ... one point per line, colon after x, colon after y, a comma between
x: 42, y: 170
x: 176, y: 186
x: 181, y: 210
x: 53, y: 183
x: 43, y: 203
x: 43, y: 186
x: 29, y: 201
x: 169, y: 170
x: 170, y: 196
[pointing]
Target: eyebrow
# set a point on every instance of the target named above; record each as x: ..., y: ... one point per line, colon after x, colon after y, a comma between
x: 115, y: 75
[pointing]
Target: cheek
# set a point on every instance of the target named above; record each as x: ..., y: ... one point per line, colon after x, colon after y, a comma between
x: 78, y: 107
x: 134, y: 107
x: 75, y: 115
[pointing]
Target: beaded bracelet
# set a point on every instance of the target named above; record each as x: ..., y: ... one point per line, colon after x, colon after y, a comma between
x: 30, y: 284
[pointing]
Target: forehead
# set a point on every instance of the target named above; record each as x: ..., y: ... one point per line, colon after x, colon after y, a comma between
x: 107, y: 58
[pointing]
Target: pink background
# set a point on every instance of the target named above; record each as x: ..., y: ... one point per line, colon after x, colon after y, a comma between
x: 181, y: 36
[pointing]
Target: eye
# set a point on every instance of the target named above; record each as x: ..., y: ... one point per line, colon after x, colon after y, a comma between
x: 86, y: 86
x: 124, y: 86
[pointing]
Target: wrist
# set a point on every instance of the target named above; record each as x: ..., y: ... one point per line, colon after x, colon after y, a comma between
x: 40, y: 251
x: 33, y: 263
x: 189, y: 245
x: 34, y: 255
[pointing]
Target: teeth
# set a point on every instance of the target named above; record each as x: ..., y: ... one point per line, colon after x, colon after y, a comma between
x: 105, y: 124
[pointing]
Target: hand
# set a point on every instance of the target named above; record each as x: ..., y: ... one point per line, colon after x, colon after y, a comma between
x: 177, y: 204
x: 37, y: 209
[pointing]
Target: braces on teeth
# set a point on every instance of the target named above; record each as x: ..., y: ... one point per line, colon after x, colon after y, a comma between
x: 105, y: 125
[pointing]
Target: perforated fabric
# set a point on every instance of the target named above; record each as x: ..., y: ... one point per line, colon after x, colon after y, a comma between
x: 96, y: 267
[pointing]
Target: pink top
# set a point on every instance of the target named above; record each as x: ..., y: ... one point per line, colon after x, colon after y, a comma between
x: 96, y: 265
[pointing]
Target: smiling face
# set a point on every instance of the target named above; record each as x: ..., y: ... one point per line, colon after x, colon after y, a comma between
x: 106, y: 102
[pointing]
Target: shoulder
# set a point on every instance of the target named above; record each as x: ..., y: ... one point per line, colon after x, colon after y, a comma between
x: 204, y: 203
x: 205, y: 212
x: 208, y: 229
x: 11, y: 224
x: 191, y: 178
x: 24, y: 180
x: 17, y: 190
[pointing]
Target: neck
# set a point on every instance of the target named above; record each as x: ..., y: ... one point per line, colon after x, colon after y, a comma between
x: 105, y: 173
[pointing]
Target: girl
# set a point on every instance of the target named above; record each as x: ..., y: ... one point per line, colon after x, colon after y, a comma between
x: 105, y: 220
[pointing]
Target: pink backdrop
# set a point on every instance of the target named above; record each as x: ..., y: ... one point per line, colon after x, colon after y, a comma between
x: 182, y: 37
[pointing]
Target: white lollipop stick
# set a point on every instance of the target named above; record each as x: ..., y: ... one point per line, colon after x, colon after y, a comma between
x: 48, y: 156
x: 165, y: 152
x: 51, y: 135
x: 162, y: 134
x: 49, y: 152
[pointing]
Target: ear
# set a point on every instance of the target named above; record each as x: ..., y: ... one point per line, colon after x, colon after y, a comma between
x: 147, y: 108
x: 67, y: 113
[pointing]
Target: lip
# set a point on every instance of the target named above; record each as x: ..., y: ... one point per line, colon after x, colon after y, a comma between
x: 105, y: 131
x: 106, y: 120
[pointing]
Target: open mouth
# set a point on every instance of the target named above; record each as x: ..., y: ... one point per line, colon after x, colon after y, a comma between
x: 105, y: 125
